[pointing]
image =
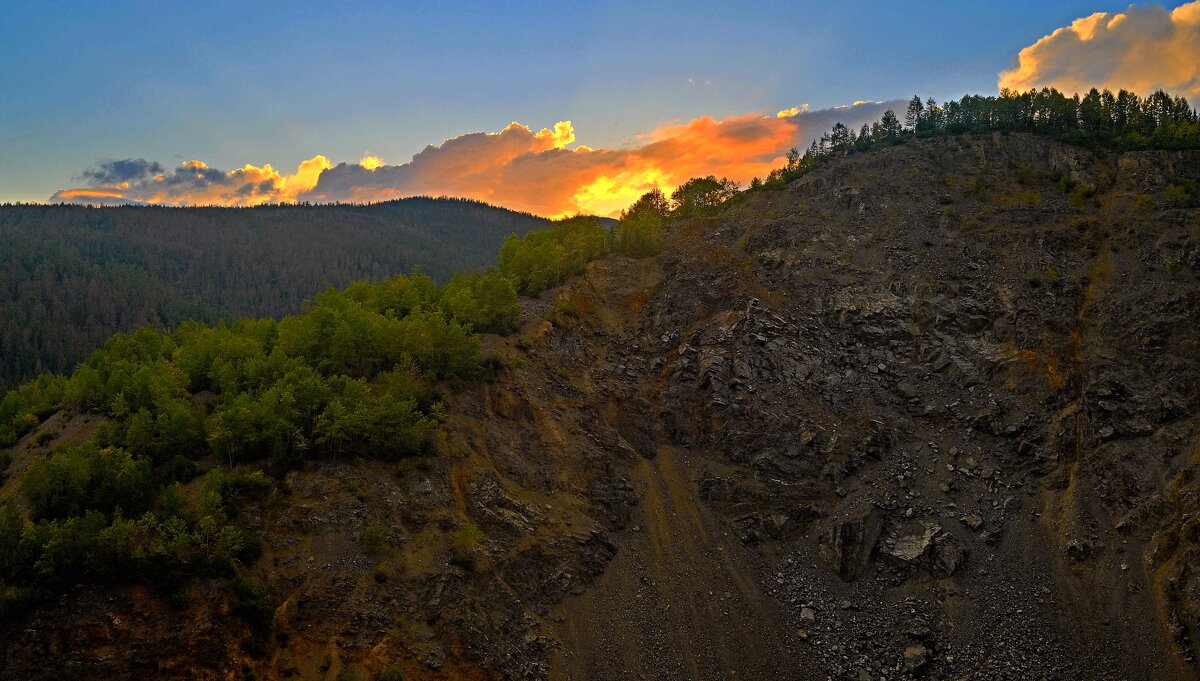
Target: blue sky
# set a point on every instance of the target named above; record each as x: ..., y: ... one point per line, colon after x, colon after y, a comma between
x: 239, y: 82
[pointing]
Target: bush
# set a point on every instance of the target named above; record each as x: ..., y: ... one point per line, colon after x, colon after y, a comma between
x: 391, y: 672
x: 1182, y: 193
x: 374, y: 537
x: 252, y: 603
x: 463, y: 561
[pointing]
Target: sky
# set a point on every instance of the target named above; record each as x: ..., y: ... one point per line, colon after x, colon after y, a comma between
x: 248, y: 102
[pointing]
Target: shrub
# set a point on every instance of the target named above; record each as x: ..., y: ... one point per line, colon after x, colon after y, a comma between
x: 391, y: 672
x: 373, y: 537
x: 380, y: 573
x: 252, y: 603
x: 1182, y: 193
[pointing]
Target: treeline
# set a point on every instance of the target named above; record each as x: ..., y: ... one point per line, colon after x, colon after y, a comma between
x: 71, y: 276
x: 544, y: 258
x: 1099, y: 120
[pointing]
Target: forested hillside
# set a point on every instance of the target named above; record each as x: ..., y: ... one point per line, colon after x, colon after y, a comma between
x: 363, y: 372
x: 71, y: 276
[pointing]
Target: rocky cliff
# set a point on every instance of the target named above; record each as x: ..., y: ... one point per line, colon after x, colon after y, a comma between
x: 930, y: 411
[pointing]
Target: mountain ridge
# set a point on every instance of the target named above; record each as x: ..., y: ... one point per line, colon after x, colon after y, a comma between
x: 78, y: 274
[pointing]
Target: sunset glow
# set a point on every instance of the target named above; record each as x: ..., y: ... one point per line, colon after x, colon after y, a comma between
x: 542, y: 172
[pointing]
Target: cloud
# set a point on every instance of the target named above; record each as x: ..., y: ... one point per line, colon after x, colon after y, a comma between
x: 113, y: 172
x: 1141, y: 49
x: 788, y: 113
x: 541, y: 172
x: 193, y: 183
x: 537, y: 172
x: 94, y: 197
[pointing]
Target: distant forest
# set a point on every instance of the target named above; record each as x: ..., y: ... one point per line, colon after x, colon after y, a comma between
x: 71, y: 276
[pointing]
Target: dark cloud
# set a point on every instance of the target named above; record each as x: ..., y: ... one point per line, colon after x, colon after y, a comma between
x: 111, y: 172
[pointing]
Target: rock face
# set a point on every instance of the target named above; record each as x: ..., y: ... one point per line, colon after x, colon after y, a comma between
x: 851, y: 542
x: 920, y: 413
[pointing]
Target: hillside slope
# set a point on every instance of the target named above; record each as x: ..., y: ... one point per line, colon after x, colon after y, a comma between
x: 930, y: 411
x: 71, y: 276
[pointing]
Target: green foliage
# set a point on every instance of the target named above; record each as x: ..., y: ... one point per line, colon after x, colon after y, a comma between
x: 356, y: 373
x: 392, y: 672
x: 468, y: 536
x: 188, y: 534
x: 23, y: 409
x: 86, y: 478
x: 487, y: 301
x: 642, y: 227
x: 546, y: 257
x: 380, y: 573
x: 252, y: 602
x: 374, y: 537
x: 1182, y: 193
x: 702, y: 196
x: 1028, y: 197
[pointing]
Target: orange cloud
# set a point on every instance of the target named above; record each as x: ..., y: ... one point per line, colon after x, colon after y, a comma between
x: 98, y: 193
x: 539, y: 172
x: 1141, y: 49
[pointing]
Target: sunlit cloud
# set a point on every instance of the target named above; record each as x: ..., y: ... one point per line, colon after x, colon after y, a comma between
x: 1142, y: 49
x: 193, y: 183
x: 371, y: 162
x: 543, y: 172
x: 538, y: 172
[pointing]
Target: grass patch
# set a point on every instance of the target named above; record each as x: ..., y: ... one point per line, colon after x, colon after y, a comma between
x: 1028, y: 197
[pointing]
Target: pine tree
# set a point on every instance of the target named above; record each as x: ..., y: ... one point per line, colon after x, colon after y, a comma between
x: 912, y: 117
x: 889, y: 126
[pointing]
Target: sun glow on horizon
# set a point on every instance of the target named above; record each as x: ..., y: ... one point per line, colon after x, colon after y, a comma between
x: 541, y: 171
